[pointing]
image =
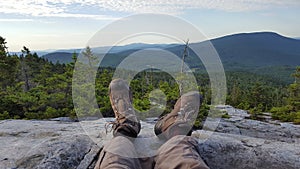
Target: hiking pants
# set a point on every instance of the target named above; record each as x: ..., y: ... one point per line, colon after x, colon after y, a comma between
x: 179, y: 152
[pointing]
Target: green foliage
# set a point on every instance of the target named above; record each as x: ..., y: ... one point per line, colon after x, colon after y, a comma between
x: 34, y: 88
x: 226, y: 116
x: 281, y: 113
x: 244, y: 106
x: 256, y: 111
x: 51, y: 113
x: 297, y: 118
x: 290, y: 112
x: 3, y: 48
x: 4, y: 115
x: 8, y: 66
x: 203, y: 113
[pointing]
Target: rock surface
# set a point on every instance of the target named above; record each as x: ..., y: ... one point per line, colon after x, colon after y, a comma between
x: 283, y: 132
x: 224, y: 151
x: 45, y: 144
x: 239, y: 143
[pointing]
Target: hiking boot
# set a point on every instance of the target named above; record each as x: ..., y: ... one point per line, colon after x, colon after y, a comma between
x: 126, y: 123
x: 180, y: 120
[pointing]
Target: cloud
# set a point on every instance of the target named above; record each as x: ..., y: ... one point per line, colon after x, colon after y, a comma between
x: 66, y: 8
x: 178, y: 6
x: 43, y: 8
x: 15, y: 20
x: 71, y: 15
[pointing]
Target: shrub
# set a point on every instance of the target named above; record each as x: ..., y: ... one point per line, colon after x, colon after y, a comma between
x: 297, y: 118
x: 33, y: 115
x: 51, y: 113
x: 226, y: 116
x: 4, y: 115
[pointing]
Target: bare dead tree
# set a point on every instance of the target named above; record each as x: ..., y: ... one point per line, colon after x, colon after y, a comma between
x: 184, y: 55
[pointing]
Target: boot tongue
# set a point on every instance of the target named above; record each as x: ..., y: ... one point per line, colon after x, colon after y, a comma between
x: 122, y: 106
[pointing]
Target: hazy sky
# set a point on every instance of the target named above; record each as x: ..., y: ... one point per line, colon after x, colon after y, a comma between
x: 61, y: 24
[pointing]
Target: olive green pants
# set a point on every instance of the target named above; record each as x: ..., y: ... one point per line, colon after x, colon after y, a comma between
x: 180, y: 152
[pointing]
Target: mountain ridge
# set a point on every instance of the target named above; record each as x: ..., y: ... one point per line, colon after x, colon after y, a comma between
x: 257, y: 52
x: 257, y: 49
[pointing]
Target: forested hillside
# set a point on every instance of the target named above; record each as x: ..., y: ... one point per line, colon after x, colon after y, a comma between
x: 35, y: 88
x: 263, y: 53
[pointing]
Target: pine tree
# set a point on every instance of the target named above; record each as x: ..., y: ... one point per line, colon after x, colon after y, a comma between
x: 291, y: 111
x: 8, y: 66
x: 294, y: 91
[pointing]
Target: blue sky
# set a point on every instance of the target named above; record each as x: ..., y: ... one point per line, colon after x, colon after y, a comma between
x: 62, y: 24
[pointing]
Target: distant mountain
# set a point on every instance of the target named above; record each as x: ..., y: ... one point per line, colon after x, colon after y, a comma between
x: 107, y: 49
x: 247, y: 49
x: 66, y: 54
x: 261, y: 52
x: 61, y: 57
x: 258, y: 49
x: 39, y: 53
x: 67, y: 51
x: 264, y: 53
x: 133, y: 46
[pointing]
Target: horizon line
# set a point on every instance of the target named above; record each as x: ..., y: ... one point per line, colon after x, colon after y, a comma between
x: 80, y: 48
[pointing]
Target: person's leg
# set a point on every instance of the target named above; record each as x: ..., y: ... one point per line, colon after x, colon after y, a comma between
x: 180, y: 150
x: 120, y: 152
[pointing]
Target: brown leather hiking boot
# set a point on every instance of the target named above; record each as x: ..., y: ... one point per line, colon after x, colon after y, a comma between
x: 180, y: 120
x: 126, y: 123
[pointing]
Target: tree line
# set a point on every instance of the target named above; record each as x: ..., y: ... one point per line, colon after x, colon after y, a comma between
x: 33, y: 88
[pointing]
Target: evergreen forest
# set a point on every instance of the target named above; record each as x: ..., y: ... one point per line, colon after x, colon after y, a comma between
x: 31, y: 87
